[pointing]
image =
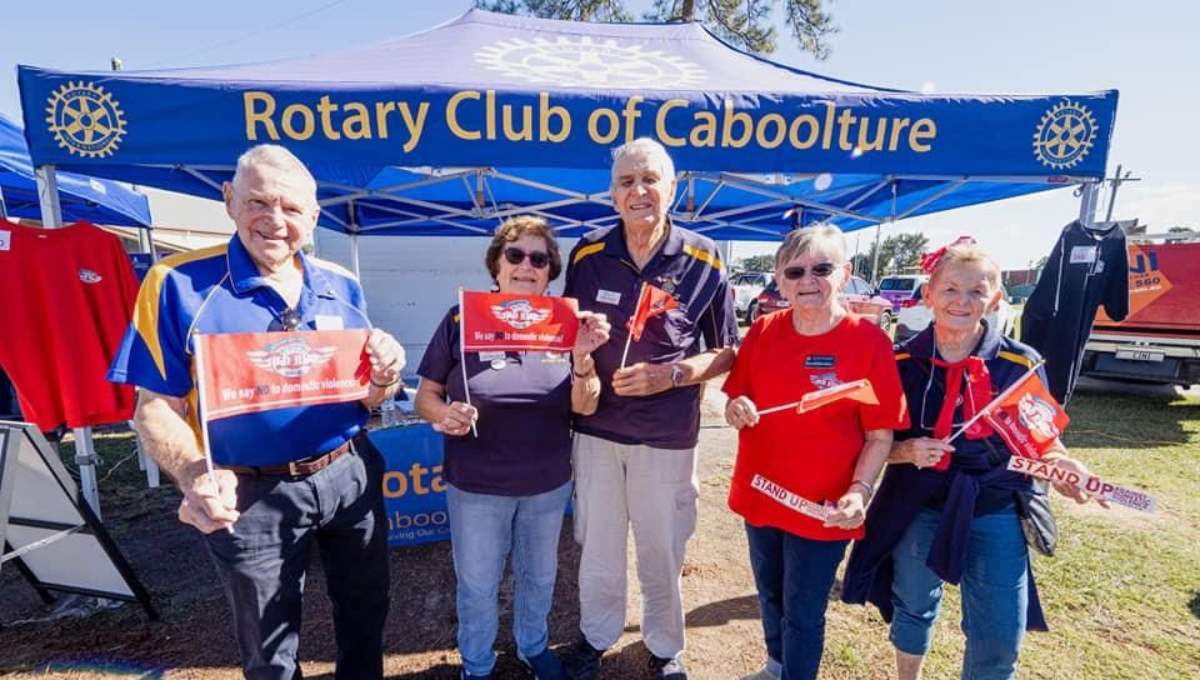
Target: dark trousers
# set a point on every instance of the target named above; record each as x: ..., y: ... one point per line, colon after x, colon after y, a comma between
x: 794, y: 576
x: 263, y: 564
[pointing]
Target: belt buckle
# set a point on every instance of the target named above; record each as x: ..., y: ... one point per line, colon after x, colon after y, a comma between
x: 292, y: 469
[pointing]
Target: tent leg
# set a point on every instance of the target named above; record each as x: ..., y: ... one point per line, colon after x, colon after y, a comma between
x: 86, y: 458
x: 1088, y: 194
x: 354, y: 255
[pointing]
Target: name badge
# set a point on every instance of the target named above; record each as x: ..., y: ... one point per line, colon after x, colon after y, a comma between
x: 1083, y: 254
x: 819, y: 361
x: 328, y: 322
x: 5, y: 239
x: 488, y: 357
x: 608, y: 297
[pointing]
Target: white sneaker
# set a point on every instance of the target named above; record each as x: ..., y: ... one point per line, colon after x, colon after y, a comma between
x: 760, y: 674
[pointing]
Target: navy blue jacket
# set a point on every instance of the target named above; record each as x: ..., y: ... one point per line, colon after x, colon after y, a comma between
x: 977, y: 483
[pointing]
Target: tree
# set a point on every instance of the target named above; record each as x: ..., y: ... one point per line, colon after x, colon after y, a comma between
x: 896, y: 253
x: 758, y: 263
x: 747, y: 24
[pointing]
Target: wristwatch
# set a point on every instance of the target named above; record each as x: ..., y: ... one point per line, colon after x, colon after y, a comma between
x: 676, y: 375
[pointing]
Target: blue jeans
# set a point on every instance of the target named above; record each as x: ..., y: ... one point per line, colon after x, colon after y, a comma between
x: 995, y: 593
x: 794, y: 576
x: 484, y: 529
x: 263, y: 564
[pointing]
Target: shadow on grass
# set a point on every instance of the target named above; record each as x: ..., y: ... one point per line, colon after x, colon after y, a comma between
x: 1194, y: 605
x: 724, y: 611
x: 1112, y: 418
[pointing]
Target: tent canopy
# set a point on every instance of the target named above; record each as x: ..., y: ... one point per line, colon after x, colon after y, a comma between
x: 447, y: 130
x: 82, y: 198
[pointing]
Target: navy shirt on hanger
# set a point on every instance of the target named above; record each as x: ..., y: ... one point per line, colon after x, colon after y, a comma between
x: 1088, y: 267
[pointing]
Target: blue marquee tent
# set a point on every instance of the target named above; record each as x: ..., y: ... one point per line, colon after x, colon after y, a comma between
x: 82, y: 198
x: 449, y: 130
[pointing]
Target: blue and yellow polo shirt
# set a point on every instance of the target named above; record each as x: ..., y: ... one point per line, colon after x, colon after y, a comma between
x: 219, y: 290
x: 602, y: 276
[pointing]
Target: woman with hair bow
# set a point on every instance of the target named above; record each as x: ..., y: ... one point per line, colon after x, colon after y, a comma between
x: 949, y: 513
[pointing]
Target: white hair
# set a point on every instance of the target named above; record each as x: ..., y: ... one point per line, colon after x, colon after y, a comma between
x: 646, y: 148
x: 278, y: 157
x: 807, y: 239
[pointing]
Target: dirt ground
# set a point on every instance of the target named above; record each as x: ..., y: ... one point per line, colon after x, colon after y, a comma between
x: 193, y: 639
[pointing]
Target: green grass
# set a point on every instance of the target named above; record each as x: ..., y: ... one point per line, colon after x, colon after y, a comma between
x: 1122, y: 594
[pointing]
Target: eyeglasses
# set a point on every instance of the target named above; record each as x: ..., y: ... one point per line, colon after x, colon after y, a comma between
x: 818, y: 270
x: 290, y: 320
x: 537, y: 259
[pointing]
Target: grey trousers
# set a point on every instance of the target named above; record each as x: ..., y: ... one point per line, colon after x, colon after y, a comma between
x: 656, y: 491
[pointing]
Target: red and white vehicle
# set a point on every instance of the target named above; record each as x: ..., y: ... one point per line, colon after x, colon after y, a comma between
x: 858, y: 296
x: 1159, y: 340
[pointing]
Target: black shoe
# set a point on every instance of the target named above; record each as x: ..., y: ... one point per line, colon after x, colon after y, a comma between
x: 545, y: 666
x: 667, y: 669
x: 584, y: 662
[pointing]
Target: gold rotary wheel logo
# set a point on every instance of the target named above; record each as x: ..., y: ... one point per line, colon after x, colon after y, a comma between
x: 1065, y: 135
x: 85, y: 120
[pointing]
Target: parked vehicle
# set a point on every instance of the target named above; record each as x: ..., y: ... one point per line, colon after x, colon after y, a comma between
x: 1159, y: 340
x: 747, y: 286
x: 914, y: 316
x: 858, y: 296
x: 900, y: 288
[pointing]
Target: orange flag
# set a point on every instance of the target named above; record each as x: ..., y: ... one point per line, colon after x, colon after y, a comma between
x: 651, y: 302
x: 859, y: 390
x: 240, y: 373
x: 512, y: 323
x: 1029, y: 419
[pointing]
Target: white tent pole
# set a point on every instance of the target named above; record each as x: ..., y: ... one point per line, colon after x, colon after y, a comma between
x: 354, y: 254
x: 878, y: 232
x: 1087, y: 203
x: 85, y: 452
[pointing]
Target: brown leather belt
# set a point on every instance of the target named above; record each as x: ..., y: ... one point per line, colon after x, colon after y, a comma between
x: 296, y: 468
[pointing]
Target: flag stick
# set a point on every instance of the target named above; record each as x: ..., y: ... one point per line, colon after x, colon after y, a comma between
x: 462, y: 347
x: 992, y: 404
x: 773, y: 409
x: 629, y: 337
x: 201, y: 393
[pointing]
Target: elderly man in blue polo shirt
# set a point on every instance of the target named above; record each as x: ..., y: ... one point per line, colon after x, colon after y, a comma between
x: 635, y: 458
x: 286, y: 478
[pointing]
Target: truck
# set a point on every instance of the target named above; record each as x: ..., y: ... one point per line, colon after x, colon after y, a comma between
x: 1159, y: 340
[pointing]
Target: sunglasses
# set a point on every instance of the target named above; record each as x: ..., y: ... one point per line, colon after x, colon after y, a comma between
x: 537, y: 259
x: 290, y: 320
x: 818, y: 270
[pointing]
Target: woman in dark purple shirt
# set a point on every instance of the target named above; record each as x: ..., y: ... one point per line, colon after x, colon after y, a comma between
x: 509, y: 484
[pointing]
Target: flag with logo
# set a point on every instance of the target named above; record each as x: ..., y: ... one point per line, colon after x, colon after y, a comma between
x: 652, y: 301
x: 859, y: 390
x: 508, y: 322
x: 1028, y: 418
x: 240, y: 373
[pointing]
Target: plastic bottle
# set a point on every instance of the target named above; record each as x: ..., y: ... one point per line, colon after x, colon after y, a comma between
x: 387, y: 413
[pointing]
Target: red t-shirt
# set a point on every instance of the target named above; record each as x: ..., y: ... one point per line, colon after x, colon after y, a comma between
x: 810, y: 454
x: 68, y: 297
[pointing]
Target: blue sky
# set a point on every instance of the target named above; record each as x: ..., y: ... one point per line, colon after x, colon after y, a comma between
x: 1146, y: 50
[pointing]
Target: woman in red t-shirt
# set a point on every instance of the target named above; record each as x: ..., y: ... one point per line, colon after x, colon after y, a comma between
x: 802, y: 480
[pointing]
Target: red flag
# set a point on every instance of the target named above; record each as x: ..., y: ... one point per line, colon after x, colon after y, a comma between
x: 859, y: 390
x: 1028, y: 418
x: 506, y: 322
x: 652, y: 301
x: 240, y: 373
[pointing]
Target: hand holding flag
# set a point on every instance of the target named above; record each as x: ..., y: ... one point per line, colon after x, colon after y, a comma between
x: 652, y: 301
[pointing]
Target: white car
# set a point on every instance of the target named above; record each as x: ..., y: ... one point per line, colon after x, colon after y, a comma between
x: 914, y: 316
x: 746, y: 288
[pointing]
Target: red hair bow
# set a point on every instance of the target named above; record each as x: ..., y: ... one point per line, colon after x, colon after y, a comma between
x: 930, y: 260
